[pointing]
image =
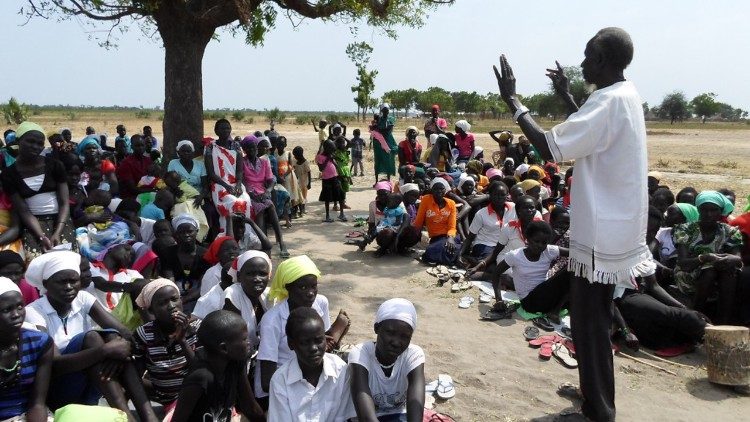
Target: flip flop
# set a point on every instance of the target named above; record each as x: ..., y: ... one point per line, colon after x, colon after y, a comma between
x: 464, y: 285
x: 355, y: 234
x: 344, y: 219
x: 445, y: 389
x: 484, y: 298
x: 455, y: 288
x: 431, y: 387
x: 530, y: 333
x: 543, y: 323
x: 570, y: 391
x: 284, y: 253
x: 328, y: 220
x: 565, y: 332
x: 550, y: 338
x: 569, y: 344
x: 545, y: 352
x: 671, y: 352
x: 442, y: 279
x: 563, y: 355
x: 493, y: 315
x: 465, y: 302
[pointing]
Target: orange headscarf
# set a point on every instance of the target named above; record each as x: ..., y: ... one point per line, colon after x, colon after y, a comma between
x: 212, y: 254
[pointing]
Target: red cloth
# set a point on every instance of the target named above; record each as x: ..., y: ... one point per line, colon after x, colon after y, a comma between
x: 212, y: 254
x: 29, y: 292
x: 107, y: 167
x: 132, y: 168
x: 742, y: 222
x: 405, y: 147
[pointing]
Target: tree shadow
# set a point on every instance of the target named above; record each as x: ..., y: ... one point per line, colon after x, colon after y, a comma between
x: 702, y: 389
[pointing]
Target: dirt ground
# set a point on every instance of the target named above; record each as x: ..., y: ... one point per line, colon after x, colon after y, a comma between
x: 498, y: 377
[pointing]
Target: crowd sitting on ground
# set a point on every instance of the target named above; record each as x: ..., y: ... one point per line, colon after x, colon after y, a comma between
x: 133, y: 279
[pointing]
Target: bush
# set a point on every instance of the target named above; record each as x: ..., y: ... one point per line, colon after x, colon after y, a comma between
x: 304, y: 119
x: 334, y: 117
x: 214, y: 115
x: 250, y: 120
x: 71, y: 115
x: 15, y: 112
x: 161, y: 117
x: 142, y: 114
x: 275, y: 115
x: 662, y: 163
x: 238, y: 115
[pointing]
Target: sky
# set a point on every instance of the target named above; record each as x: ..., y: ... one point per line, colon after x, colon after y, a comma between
x: 679, y: 45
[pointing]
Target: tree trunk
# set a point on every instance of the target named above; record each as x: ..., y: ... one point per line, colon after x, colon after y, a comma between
x: 184, y: 45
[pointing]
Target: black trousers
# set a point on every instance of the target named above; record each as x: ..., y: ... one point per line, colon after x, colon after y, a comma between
x: 547, y: 295
x: 591, y: 320
x: 658, y: 325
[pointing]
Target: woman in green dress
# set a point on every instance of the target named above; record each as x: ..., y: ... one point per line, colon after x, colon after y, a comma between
x: 385, y: 159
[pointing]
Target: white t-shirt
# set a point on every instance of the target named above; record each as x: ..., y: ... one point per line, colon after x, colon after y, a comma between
x: 529, y: 274
x: 239, y: 299
x: 607, y: 140
x: 487, y: 226
x: 512, y: 237
x: 211, y: 278
x: 41, y: 314
x: 273, y: 344
x: 388, y: 393
x: 293, y: 399
x: 109, y: 300
x: 213, y: 300
x: 667, y: 249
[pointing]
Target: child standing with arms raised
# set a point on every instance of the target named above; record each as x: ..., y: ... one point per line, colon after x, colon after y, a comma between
x: 331, y: 189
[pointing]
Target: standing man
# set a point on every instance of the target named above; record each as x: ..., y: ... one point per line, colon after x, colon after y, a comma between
x: 607, y: 138
x: 435, y: 124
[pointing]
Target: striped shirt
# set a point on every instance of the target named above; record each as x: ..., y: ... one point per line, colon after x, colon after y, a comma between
x: 167, y: 366
x: 14, y: 400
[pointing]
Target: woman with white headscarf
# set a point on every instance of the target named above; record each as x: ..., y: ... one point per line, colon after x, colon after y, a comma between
x: 464, y: 141
x: 385, y: 159
x: 388, y: 374
x: 189, y: 168
x: 88, y: 355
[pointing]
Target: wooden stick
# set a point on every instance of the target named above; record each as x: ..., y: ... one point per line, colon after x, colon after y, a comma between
x: 660, y: 359
x: 646, y: 363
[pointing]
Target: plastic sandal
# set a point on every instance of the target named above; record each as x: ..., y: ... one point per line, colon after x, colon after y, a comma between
x: 493, y: 315
x: 563, y: 355
x: 484, y: 298
x: 553, y: 338
x: 445, y: 389
x: 465, y: 302
x: 530, y: 333
x: 545, y: 352
x: 569, y: 390
x: 543, y: 323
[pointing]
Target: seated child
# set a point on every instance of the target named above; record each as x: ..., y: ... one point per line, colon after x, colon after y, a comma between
x: 164, y: 347
x: 112, y: 276
x: 91, y: 362
x: 160, y: 208
x: 153, y: 178
x: 254, y: 239
x: 93, y: 210
x: 387, y: 375
x: 13, y: 267
x: 313, y: 385
x: 215, y: 387
x: 223, y: 250
x: 23, y: 391
x: 163, y: 228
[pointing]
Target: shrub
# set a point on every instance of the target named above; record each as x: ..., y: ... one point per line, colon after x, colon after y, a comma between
x: 727, y: 164
x: 15, y: 112
x: 275, y: 115
x: 304, y: 119
x: 71, y: 115
x: 238, y: 115
x: 250, y: 120
x: 142, y: 114
x: 693, y: 163
x: 662, y: 163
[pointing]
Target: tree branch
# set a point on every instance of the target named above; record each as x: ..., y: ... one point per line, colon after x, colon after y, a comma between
x: 115, y: 12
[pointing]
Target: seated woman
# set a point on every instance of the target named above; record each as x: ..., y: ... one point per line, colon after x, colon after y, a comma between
x: 464, y: 141
x: 387, y: 375
x: 708, y: 258
x: 38, y: 189
x: 295, y: 285
x: 184, y: 261
x: 409, y: 150
x: 475, y: 168
x: 215, y: 388
x: 223, y: 250
x: 90, y: 153
x: 91, y: 362
x: 10, y: 224
x: 258, y: 181
x: 313, y: 385
x: 662, y: 247
x: 187, y: 200
x: 190, y: 169
x: 533, y: 188
x: 26, y: 357
x: 13, y: 267
x: 530, y: 265
x: 484, y: 230
x: 461, y: 195
x: 163, y: 348
x: 438, y: 213
x: 376, y: 209
x: 441, y: 156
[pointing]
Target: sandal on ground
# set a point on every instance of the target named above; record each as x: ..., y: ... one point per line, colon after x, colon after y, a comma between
x: 549, y: 338
x: 544, y: 323
x: 431, y: 387
x: 328, y: 220
x: 465, y: 302
x: 569, y: 390
x: 545, y: 351
x: 565, y: 332
x: 342, y: 218
x: 484, y: 298
x: 284, y: 253
x: 493, y: 315
x: 563, y: 355
x: 442, y: 279
x: 569, y: 344
x: 355, y: 234
x: 445, y: 388
x: 530, y: 333
x: 670, y: 352
x: 464, y: 285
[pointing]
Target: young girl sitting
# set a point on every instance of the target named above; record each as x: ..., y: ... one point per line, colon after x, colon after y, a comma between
x: 164, y: 347
x: 26, y: 357
x: 331, y: 189
x: 216, y: 388
x: 223, y: 250
x: 12, y: 267
x: 387, y: 375
x: 313, y: 385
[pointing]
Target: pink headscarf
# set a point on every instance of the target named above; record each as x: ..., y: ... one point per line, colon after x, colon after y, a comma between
x: 494, y: 172
x: 383, y: 184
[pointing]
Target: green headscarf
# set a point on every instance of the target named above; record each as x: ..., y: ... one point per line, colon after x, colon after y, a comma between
x: 716, y: 198
x: 25, y: 127
x: 689, y: 211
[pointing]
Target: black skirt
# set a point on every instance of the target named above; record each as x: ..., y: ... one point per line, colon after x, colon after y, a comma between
x: 331, y: 190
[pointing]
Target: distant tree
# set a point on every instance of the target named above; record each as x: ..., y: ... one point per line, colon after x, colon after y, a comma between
x: 728, y: 112
x: 359, y: 54
x: 645, y: 108
x: 401, y: 99
x: 674, y: 107
x: 495, y: 105
x: 15, y: 112
x: 186, y: 27
x: 705, y: 105
x: 434, y: 95
x: 467, y: 102
x: 578, y: 87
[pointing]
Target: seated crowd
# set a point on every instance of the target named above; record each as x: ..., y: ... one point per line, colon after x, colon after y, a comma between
x: 127, y: 278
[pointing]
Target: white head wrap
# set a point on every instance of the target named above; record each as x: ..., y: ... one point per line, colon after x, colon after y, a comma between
x: 463, y: 125
x: 433, y: 138
x: 398, y: 309
x: 186, y: 142
x: 477, y: 150
x: 384, y: 105
x: 464, y: 179
x: 509, y: 159
x: 414, y: 128
x: 440, y: 180
x: 336, y: 126
x: 521, y: 169
x: 149, y: 290
x: 46, y: 265
x: 184, y: 219
x: 243, y: 258
x: 114, y: 203
x: 408, y: 187
x: 7, y: 285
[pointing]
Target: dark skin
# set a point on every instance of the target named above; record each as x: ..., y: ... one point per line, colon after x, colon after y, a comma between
x: 12, y: 314
x: 438, y: 193
x: 186, y: 155
x: 185, y: 235
x: 139, y: 151
x: 388, y: 238
x: 119, y: 257
x: 460, y: 198
x: 218, y: 358
x: 92, y: 160
x: 172, y: 325
x: 105, y: 358
x: 253, y: 277
x: 393, y: 338
x: 411, y: 136
x: 308, y: 341
x: 29, y: 163
x: 721, y: 275
x: 252, y: 153
x: 224, y: 132
x: 236, y: 226
x: 14, y: 230
x: 497, y: 199
x: 596, y: 70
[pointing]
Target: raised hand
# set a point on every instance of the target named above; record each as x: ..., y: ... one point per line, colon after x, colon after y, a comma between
x: 506, y: 82
x: 560, y: 82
